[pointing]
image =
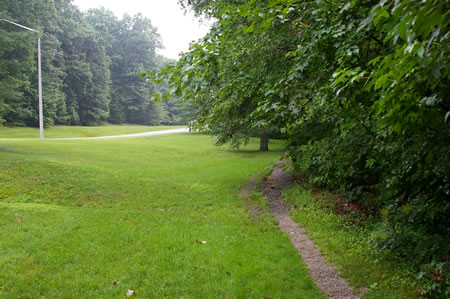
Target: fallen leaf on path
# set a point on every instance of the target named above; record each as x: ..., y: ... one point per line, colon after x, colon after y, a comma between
x: 130, y: 293
x: 201, y: 241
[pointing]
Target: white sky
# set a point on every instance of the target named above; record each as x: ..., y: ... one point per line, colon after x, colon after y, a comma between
x: 177, y: 30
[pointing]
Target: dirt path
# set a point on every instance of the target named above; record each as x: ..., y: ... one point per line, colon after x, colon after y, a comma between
x: 325, y: 275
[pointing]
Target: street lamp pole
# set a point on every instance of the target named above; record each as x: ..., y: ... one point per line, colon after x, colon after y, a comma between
x: 41, y: 112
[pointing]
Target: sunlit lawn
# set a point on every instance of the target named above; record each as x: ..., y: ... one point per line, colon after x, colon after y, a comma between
x: 79, y: 131
x: 158, y: 215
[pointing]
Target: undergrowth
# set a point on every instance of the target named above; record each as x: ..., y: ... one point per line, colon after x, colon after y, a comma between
x: 346, y: 243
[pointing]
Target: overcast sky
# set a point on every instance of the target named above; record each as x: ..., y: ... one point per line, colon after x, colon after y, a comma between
x: 176, y: 29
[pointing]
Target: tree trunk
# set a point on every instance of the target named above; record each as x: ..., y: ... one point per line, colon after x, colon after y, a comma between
x: 264, y: 142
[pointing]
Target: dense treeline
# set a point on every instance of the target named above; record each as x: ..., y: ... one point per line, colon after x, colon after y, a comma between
x: 90, y: 66
x: 360, y: 88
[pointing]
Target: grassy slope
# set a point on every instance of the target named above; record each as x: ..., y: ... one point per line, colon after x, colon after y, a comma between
x: 77, y: 216
x: 79, y: 131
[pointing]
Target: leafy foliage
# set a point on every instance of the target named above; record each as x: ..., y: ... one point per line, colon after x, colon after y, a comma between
x: 90, y: 65
x: 359, y: 88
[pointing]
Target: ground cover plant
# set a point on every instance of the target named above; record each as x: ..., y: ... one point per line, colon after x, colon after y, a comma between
x: 79, y: 131
x: 161, y: 216
x: 347, y: 245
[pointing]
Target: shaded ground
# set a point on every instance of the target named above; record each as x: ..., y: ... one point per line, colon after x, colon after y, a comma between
x: 325, y: 275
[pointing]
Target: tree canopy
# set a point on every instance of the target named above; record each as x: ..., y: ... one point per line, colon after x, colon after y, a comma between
x: 360, y: 90
x: 90, y: 66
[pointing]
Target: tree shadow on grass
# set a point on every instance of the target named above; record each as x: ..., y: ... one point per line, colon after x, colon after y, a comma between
x: 248, y: 151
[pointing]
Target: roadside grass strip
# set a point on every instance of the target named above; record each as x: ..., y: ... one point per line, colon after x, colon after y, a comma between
x: 159, y: 215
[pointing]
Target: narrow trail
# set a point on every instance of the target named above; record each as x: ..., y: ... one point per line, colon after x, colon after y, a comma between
x: 325, y: 275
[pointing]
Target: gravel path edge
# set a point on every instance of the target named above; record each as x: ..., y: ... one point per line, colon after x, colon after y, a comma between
x: 325, y: 275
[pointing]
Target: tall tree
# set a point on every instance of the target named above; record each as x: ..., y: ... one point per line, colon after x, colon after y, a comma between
x: 135, y: 46
x: 229, y: 73
x: 18, y: 67
x: 131, y: 44
x: 87, y: 83
x: 359, y: 87
x: 15, y: 65
x: 175, y: 111
x: 90, y: 65
x: 54, y: 73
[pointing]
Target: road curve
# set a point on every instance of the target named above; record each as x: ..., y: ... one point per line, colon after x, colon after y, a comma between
x: 144, y: 134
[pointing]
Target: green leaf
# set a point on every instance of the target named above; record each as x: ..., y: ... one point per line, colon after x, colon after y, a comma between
x: 381, y: 81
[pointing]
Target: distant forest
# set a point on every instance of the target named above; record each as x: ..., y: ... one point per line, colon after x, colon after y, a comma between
x: 90, y: 67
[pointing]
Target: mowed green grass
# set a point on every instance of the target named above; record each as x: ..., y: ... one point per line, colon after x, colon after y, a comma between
x: 159, y: 215
x: 79, y: 131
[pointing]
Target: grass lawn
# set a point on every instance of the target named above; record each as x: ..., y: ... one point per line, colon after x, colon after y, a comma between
x: 158, y: 215
x: 79, y: 131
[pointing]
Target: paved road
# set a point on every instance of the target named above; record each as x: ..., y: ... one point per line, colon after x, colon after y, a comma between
x: 144, y: 134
